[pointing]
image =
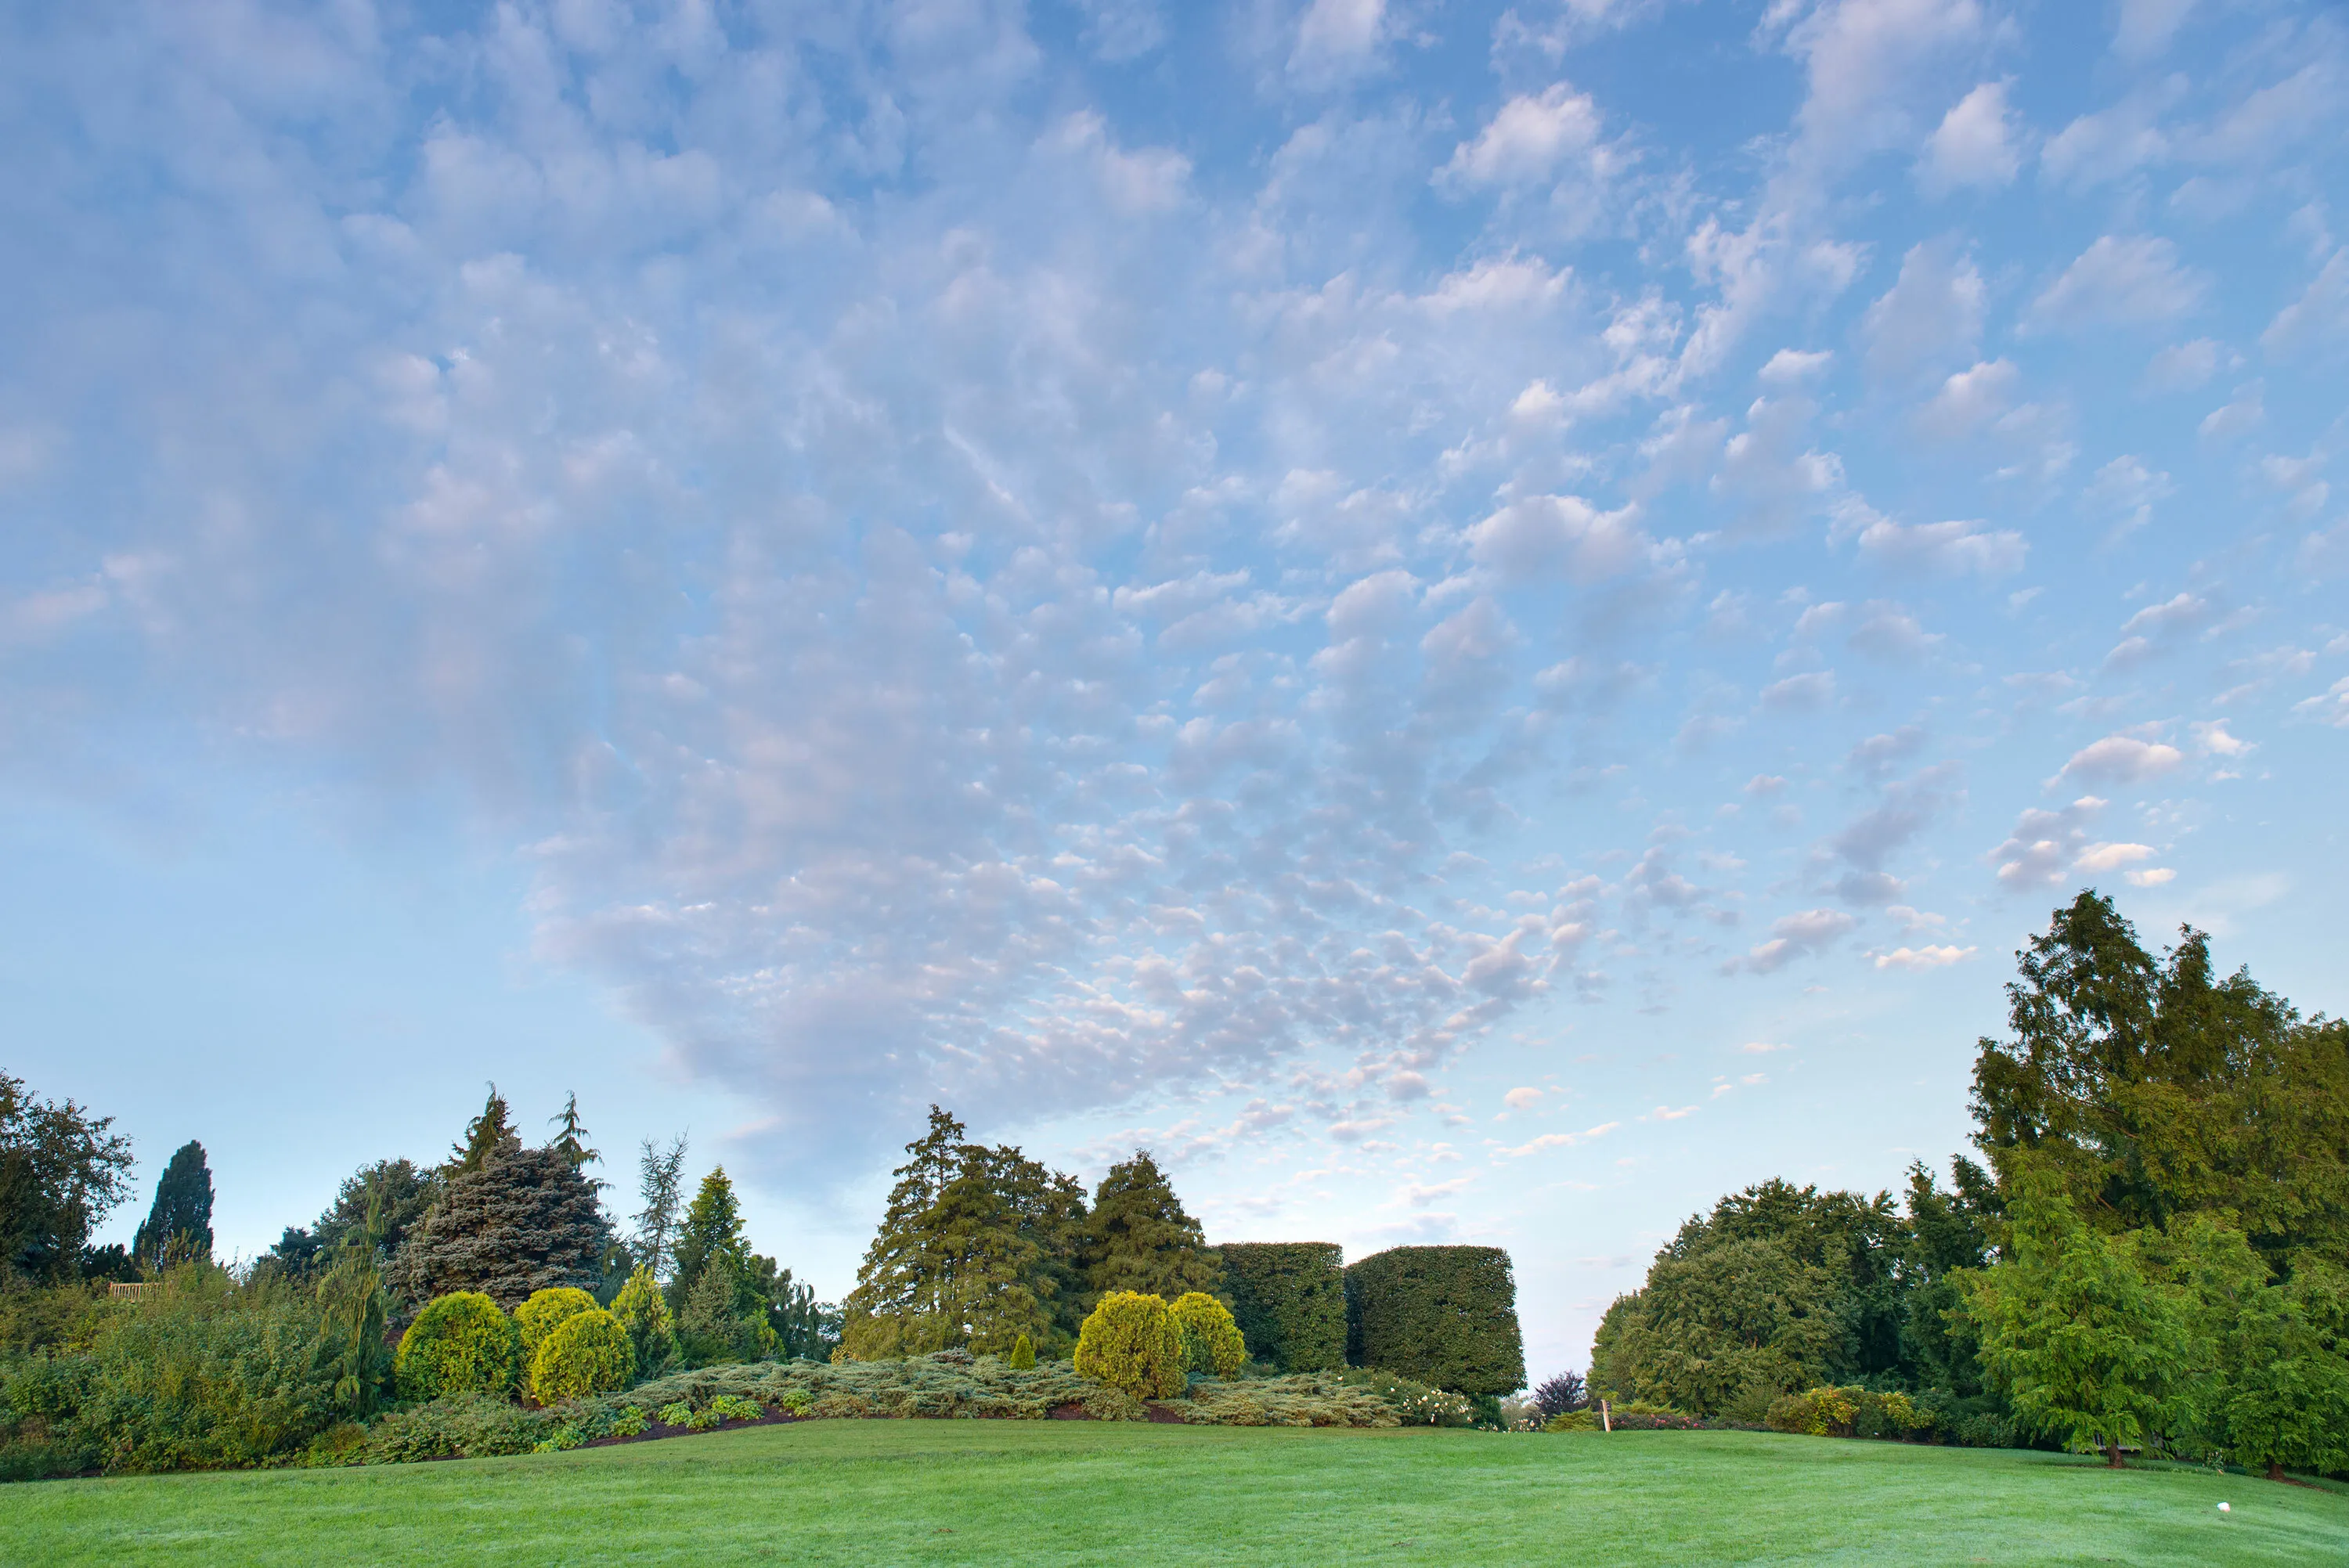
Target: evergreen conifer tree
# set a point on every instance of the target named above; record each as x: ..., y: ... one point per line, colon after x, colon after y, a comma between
x: 1138, y: 1237
x: 350, y: 1332
x: 524, y: 1221
x: 711, y: 1233
x: 571, y: 1135
x: 976, y: 1249
x: 182, y: 1213
x: 485, y: 1136
x: 660, y: 1174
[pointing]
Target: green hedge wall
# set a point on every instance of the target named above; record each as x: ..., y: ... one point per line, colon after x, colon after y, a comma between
x: 1289, y: 1300
x: 1443, y: 1316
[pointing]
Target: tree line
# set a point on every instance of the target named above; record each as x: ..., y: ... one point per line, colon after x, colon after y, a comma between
x: 2154, y: 1250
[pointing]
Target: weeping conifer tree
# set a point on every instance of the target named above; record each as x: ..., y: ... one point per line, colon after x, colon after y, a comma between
x: 1139, y: 1238
x: 181, y: 1223
x: 485, y: 1136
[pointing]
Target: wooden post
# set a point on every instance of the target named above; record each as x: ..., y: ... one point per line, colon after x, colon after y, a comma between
x: 1606, y: 1420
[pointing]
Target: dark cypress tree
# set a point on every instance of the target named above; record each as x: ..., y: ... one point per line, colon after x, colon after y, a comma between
x: 181, y: 1223
x: 524, y: 1221
x: 1138, y: 1237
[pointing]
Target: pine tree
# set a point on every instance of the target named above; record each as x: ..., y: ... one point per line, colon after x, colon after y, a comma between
x: 525, y: 1220
x: 571, y: 1136
x: 485, y: 1136
x: 181, y: 1218
x: 1139, y: 1239
x: 661, y: 1173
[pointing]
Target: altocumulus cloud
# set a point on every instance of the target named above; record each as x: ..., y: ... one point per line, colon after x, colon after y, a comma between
x: 965, y: 579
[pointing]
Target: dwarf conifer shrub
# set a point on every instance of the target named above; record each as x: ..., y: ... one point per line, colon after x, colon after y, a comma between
x: 1131, y: 1343
x: 1211, y: 1340
x: 1290, y: 1300
x: 460, y: 1343
x: 536, y: 1318
x: 586, y: 1352
x: 1023, y: 1353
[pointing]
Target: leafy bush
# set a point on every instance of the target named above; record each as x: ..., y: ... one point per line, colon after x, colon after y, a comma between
x: 1023, y: 1353
x: 1979, y: 1421
x: 460, y: 1343
x: 630, y: 1422
x: 1414, y: 1403
x: 1443, y: 1316
x: 586, y: 1353
x: 1572, y: 1421
x: 536, y: 1318
x: 1130, y: 1344
x: 643, y: 1311
x: 735, y: 1408
x: 1211, y: 1340
x: 677, y: 1413
x: 796, y: 1400
x: 1848, y: 1413
x: 1561, y: 1395
x: 1290, y: 1300
x: 204, y: 1373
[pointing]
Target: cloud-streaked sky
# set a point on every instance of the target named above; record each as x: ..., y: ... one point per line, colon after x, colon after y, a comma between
x: 1477, y: 622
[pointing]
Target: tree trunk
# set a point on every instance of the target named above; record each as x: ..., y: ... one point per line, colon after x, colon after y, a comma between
x: 2275, y: 1469
x: 2113, y: 1455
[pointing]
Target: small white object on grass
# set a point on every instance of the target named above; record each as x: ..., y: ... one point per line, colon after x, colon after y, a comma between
x: 2223, y: 1508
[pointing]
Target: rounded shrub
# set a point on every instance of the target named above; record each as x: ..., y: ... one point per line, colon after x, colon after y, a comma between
x: 537, y: 1318
x: 460, y: 1343
x: 586, y: 1352
x: 1211, y: 1339
x: 1130, y: 1343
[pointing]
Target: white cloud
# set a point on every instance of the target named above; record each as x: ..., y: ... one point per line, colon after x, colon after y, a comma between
x: 1794, y: 936
x: 1522, y: 1099
x: 1561, y: 1139
x: 2039, y: 851
x: 1527, y: 140
x: 2110, y: 857
x: 2183, y: 366
x: 1971, y: 399
x: 2113, y: 144
x: 1952, y: 548
x: 2120, y: 280
x: 2147, y: 26
x: 1763, y: 1047
x: 2122, y: 759
x: 2125, y: 490
x: 2319, y: 313
x: 1914, y: 959
x: 2332, y: 707
x: 1560, y: 535
x: 1931, y: 317
x: 1337, y: 40
x: 1975, y: 145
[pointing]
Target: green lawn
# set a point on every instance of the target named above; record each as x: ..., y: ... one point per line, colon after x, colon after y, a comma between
x: 1071, y: 1492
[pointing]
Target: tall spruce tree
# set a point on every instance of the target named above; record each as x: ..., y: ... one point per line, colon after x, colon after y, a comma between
x: 180, y: 1222
x: 486, y: 1136
x: 1139, y: 1238
x: 660, y: 1177
x: 710, y: 1236
x: 571, y: 1135
x: 524, y: 1221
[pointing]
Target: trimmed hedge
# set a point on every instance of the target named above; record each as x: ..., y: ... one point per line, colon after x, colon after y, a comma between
x: 1443, y: 1316
x: 1848, y: 1413
x: 460, y: 1343
x: 587, y: 1353
x: 1131, y: 1343
x: 1211, y: 1340
x: 1290, y: 1300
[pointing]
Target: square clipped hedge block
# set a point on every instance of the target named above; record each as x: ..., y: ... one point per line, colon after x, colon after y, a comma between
x: 1289, y: 1300
x: 1442, y: 1316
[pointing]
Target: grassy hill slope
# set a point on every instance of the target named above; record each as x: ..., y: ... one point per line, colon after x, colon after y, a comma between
x: 1081, y: 1493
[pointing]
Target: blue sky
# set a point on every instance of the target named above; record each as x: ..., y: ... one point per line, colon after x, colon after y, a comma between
x: 1476, y: 622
